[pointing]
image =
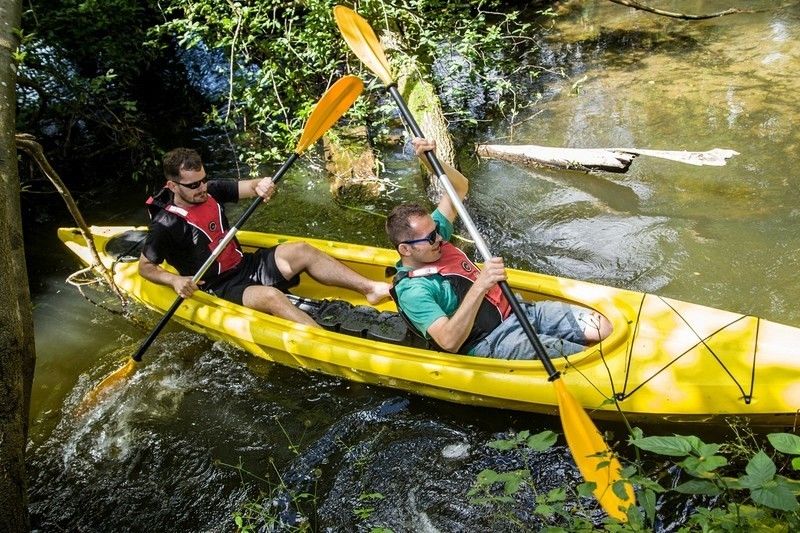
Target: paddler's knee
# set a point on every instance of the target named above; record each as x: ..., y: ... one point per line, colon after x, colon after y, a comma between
x: 596, y: 327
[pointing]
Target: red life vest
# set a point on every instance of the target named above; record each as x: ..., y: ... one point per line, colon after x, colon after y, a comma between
x: 462, y: 273
x: 208, y: 219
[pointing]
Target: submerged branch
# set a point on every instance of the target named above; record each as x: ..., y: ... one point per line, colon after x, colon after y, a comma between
x: 28, y: 144
x: 673, y: 14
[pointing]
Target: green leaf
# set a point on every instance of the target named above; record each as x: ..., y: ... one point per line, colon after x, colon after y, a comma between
x: 760, y: 469
x: 707, y: 450
x: 785, y: 443
x: 544, y: 510
x: 618, y: 487
x: 542, y: 441
x: 586, y: 489
x: 487, y: 476
x: 650, y: 484
x: 702, y: 465
x: 647, y: 499
x: 502, y: 445
x: 698, y: 486
x: 796, y: 463
x: 775, y: 496
x: 676, y: 446
x: 557, y: 495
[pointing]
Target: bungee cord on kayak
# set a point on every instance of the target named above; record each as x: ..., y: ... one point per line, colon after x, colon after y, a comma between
x: 629, y: 358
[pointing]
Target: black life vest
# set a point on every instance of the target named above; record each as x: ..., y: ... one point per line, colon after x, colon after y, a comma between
x: 208, y: 219
x: 461, y: 273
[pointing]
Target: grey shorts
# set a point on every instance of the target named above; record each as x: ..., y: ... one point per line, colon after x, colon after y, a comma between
x: 559, y: 326
x: 257, y: 268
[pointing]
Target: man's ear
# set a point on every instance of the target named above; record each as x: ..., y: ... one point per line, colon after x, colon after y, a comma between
x: 404, y: 250
x: 171, y: 185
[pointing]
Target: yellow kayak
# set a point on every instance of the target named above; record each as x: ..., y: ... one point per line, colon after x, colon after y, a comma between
x: 665, y: 360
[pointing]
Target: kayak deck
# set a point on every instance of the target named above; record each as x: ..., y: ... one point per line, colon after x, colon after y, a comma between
x: 665, y: 359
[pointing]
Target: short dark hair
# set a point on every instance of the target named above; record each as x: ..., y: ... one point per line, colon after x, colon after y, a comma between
x: 180, y: 159
x: 397, y: 223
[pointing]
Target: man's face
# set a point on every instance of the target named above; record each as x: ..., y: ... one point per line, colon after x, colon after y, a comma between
x: 191, y: 188
x: 424, y: 244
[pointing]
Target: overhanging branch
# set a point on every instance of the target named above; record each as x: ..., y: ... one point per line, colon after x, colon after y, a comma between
x: 27, y: 143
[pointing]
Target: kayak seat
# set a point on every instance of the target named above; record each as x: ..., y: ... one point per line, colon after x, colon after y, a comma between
x: 334, y: 315
x: 126, y: 247
x: 360, y: 320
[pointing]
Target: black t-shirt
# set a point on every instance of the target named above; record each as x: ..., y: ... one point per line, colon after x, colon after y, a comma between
x: 180, y: 244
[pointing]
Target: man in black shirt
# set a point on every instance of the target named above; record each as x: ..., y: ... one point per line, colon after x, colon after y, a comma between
x: 189, y: 221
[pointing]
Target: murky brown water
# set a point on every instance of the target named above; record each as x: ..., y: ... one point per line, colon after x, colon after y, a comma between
x: 157, y: 452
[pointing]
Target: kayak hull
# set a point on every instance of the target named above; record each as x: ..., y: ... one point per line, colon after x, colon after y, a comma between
x: 665, y: 359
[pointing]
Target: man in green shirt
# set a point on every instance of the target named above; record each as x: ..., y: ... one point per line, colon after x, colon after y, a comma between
x: 460, y: 308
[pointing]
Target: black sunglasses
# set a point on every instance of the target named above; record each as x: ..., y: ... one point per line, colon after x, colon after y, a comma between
x: 430, y: 238
x: 193, y: 185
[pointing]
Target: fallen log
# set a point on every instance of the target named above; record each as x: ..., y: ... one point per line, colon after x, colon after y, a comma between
x: 592, y: 159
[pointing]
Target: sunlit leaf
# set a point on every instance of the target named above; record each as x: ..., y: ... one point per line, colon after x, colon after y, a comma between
x: 698, y: 486
x: 647, y: 499
x: 676, y: 446
x: 760, y: 469
x: 785, y: 443
x: 775, y: 496
x: 542, y: 441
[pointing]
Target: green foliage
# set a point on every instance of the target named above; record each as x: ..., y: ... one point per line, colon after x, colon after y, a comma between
x: 108, y: 82
x: 758, y: 498
x: 86, y: 84
x: 539, y: 442
x: 364, y: 512
x: 280, y: 56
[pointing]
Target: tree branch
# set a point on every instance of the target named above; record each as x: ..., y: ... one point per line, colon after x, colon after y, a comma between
x: 672, y: 14
x: 28, y: 144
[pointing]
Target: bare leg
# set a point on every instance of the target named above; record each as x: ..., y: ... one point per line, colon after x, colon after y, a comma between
x: 293, y: 258
x: 596, y: 327
x: 272, y: 301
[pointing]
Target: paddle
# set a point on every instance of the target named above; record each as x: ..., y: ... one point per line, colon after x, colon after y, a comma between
x: 333, y: 104
x: 592, y: 455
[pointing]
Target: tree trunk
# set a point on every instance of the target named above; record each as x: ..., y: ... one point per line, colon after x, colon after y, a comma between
x: 350, y: 161
x: 425, y: 106
x: 17, y: 356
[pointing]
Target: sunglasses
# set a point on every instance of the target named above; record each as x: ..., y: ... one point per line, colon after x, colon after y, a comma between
x: 430, y: 238
x: 193, y: 185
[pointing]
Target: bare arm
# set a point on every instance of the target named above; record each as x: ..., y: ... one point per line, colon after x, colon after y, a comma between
x: 459, y: 181
x: 262, y: 187
x: 183, y: 285
x: 450, y: 333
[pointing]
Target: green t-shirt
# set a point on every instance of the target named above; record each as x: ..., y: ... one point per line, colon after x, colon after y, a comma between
x: 426, y: 299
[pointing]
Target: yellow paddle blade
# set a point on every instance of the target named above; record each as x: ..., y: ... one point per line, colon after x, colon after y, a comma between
x: 333, y: 104
x: 109, y: 382
x: 363, y: 42
x: 589, y: 451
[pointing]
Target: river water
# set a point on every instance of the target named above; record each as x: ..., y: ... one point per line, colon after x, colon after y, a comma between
x: 202, y: 428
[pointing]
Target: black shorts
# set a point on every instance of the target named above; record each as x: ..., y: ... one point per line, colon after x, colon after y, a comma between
x: 258, y: 268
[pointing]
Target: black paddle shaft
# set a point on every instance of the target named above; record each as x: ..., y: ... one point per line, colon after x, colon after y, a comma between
x: 553, y: 374
x: 213, y: 257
